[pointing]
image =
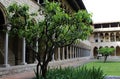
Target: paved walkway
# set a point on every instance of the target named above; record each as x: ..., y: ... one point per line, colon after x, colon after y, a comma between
x: 25, y: 75
x: 31, y: 74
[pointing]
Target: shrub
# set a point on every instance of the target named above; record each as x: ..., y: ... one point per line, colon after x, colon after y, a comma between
x: 93, y: 73
x: 75, y: 73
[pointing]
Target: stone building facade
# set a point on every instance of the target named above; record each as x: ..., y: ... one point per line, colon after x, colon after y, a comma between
x: 14, y: 52
x: 106, y: 35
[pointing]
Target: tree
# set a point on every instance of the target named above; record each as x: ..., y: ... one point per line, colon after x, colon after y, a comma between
x: 58, y: 29
x: 106, y: 51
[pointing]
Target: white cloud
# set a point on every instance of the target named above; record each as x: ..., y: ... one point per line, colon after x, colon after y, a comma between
x: 103, y: 10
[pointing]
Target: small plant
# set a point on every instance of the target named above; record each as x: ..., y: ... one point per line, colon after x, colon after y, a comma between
x: 75, y: 73
x: 106, y: 51
x: 93, y: 73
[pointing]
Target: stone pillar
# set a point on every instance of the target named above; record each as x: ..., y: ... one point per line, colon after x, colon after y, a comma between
x: 23, y: 51
x: 6, y: 51
x: 58, y: 53
x: 63, y: 52
x: 38, y: 1
x: 76, y: 52
x: 67, y: 52
x: 53, y: 57
x: 101, y: 26
x: 109, y: 37
x: 118, y: 25
x: 115, y: 36
x: 109, y: 25
x: 104, y: 37
x: 73, y: 52
x: 98, y: 37
x: 79, y: 52
x: 70, y: 52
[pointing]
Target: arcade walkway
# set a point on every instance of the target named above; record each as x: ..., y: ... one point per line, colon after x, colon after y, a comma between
x: 31, y: 75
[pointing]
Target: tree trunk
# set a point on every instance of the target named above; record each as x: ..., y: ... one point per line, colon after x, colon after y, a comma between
x: 44, y: 70
x: 105, y: 58
x: 37, y: 69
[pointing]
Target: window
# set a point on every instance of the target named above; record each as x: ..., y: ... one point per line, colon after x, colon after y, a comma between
x: 96, y: 40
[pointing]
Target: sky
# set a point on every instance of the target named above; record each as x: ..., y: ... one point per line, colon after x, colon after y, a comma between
x: 103, y: 10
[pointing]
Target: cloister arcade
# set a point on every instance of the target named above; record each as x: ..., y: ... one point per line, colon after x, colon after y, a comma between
x: 13, y: 51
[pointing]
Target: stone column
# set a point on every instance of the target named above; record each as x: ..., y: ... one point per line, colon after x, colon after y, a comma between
x: 101, y: 26
x: 53, y: 57
x: 76, y: 52
x: 58, y: 53
x: 118, y: 25
x: 98, y: 37
x: 23, y: 51
x: 70, y: 52
x: 6, y: 51
x: 73, y: 52
x: 109, y: 37
x: 79, y: 53
x: 67, y: 52
x: 109, y: 25
x: 63, y: 52
x: 104, y: 37
x: 38, y: 1
x: 115, y: 36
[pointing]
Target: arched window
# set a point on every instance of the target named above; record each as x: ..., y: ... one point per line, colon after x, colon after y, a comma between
x: 112, y: 37
x: 101, y: 37
x: 106, y: 37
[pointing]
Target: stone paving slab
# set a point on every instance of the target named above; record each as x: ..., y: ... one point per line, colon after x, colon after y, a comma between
x: 112, y: 77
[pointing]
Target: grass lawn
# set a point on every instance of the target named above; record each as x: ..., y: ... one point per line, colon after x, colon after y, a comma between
x: 109, y: 68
